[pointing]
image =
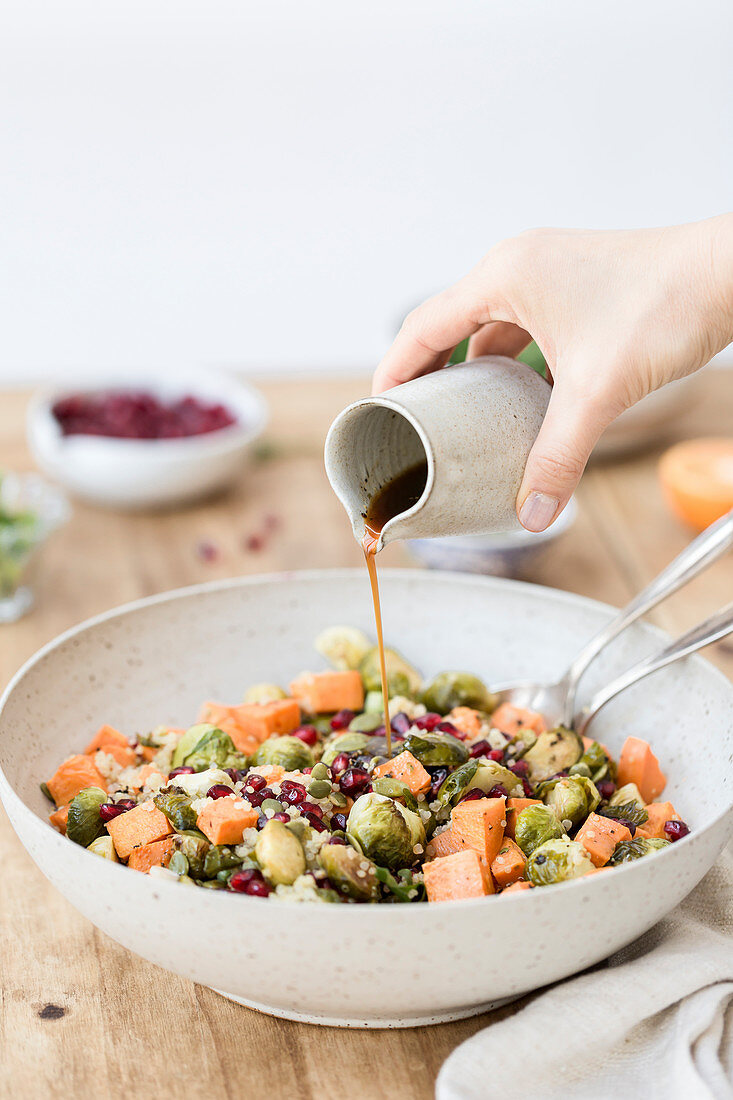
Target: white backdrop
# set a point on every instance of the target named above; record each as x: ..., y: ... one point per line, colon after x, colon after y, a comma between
x: 273, y: 184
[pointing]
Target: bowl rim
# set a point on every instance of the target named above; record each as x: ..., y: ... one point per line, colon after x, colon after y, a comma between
x: 40, y: 418
x: 7, y: 791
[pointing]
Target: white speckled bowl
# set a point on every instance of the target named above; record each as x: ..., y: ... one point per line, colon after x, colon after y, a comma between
x: 360, y: 966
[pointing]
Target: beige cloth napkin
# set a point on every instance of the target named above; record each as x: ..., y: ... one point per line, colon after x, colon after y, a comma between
x: 656, y: 1023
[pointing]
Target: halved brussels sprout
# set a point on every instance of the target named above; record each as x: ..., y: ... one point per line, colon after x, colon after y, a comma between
x: 457, y: 783
x: 218, y: 857
x: 289, y: 752
x: 572, y: 799
x: 535, y: 826
x: 195, y: 850
x: 628, y: 793
x: 637, y: 848
x: 554, y: 751
x: 557, y: 861
x: 196, y: 785
x: 491, y: 772
x: 394, y: 789
x: 374, y: 703
x: 279, y: 854
x: 351, y: 872
x: 366, y: 723
x: 344, y: 646
x: 457, y: 689
x: 264, y: 693
x: 189, y: 741
x: 385, y: 831
x: 402, y: 678
x: 631, y: 813
x: 433, y: 749
x: 598, y: 763
x: 84, y: 825
x: 215, y: 749
x: 104, y: 847
x: 343, y: 742
x: 176, y: 805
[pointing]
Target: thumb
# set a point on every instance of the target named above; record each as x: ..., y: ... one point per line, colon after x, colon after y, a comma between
x: 572, y: 426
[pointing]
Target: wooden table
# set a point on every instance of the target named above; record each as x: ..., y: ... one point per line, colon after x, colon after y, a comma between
x: 82, y: 1017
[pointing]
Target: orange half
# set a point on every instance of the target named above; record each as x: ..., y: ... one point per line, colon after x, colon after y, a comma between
x: 697, y: 480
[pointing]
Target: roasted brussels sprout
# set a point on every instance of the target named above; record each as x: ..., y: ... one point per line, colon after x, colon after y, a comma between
x: 104, y: 847
x: 374, y: 703
x: 557, y: 861
x: 402, y: 678
x: 572, y: 799
x: 553, y: 751
x: 263, y: 693
x: 344, y: 646
x: 403, y: 888
x: 385, y: 831
x: 195, y: 850
x: 366, y: 723
x: 197, y: 784
x: 491, y: 772
x: 457, y: 783
x: 535, y: 826
x: 344, y: 742
x: 640, y: 846
x: 628, y: 793
x: 351, y: 872
x: 215, y: 750
x: 84, y: 825
x: 392, y: 788
x: 217, y: 858
x: 289, y: 752
x: 631, y: 813
x: 457, y: 689
x: 279, y: 854
x: 189, y: 741
x: 176, y: 805
x: 599, y: 765
x: 432, y: 749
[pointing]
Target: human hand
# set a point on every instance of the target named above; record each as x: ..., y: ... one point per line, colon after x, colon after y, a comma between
x: 615, y: 314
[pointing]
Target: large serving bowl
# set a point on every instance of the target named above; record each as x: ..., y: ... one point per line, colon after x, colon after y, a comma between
x: 391, y: 965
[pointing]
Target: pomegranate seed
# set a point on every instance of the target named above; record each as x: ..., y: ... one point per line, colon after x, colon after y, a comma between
x: 428, y: 721
x: 108, y: 810
x: 207, y: 551
x: 255, y: 782
x: 342, y: 719
x: 257, y: 888
x: 292, y: 793
x: 527, y: 788
x: 520, y: 767
x: 308, y: 734
x: 341, y: 763
x: 132, y: 415
x: 234, y: 774
x: 380, y: 731
x: 475, y: 792
x: 354, y: 782
x: 307, y: 771
x: 311, y: 808
x: 496, y: 754
x: 249, y: 882
x: 437, y: 778
x: 183, y: 770
x: 675, y: 830
x: 337, y: 839
x: 448, y: 727
x: 481, y: 748
x: 400, y: 723
x: 219, y: 790
x: 606, y: 788
x: 315, y: 822
x: 280, y: 817
x: 629, y: 825
x: 497, y: 791
x: 254, y: 543
x: 338, y: 821
x: 256, y: 798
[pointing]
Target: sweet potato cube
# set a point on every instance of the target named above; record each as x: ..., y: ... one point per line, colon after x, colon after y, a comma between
x: 106, y: 735
x: 73, y: 776
x: 58, y: 818
x: 144, y: 773
x: 510, y: 863
x: 458, y: 876
x: 143, y: 825
x: 123, y: 754
x: 249, y: 724
x: 327, y: 692
x: 224, y: 820
x: 156, y: 854
x: 511, y: 720
x: 408, y: 770
x: 514, y: 807
x: 659, y: 812
x: 599, y: 836
x: 517, y: 886
x: 468, y: 721
x: 479, y: 824
x: 638, y: 764
x: 444, y: 844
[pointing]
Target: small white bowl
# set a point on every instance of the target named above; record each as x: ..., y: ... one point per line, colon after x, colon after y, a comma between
x: 148, y: 473
x: 504, y: 554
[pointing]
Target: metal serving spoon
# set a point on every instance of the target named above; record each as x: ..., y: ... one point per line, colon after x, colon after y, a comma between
x: 557, y: 701
x: 710, y: 630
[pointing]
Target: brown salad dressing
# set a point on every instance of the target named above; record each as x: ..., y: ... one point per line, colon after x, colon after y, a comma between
x: 395, y: 497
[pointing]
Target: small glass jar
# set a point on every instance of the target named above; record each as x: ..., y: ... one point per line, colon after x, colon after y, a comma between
x: 30, y: 511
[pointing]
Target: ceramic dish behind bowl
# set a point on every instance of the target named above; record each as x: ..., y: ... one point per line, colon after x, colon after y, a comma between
x: 149, y: 473
x: 359, y: 965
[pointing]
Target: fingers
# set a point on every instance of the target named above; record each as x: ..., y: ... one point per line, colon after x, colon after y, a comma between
x: 571, y: 429
x: 498, y: 338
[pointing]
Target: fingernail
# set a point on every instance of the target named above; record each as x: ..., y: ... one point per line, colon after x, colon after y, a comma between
x: 538, y: 511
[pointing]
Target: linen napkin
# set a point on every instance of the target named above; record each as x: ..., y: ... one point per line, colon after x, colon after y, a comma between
x: 656, y: 1022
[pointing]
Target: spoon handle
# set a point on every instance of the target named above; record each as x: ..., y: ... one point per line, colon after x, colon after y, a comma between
x: 714, y: 628
x: 701, y: 552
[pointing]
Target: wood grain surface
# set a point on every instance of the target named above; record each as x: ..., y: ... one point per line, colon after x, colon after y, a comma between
x: 81, y: 1017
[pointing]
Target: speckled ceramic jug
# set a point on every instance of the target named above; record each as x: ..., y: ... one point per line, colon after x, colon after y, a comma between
x: 474, y: 424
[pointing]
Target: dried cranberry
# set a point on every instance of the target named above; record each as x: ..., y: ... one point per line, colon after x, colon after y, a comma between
x: 255, y: 782
x: 496, y: 754
x: 428, y: 721
x: 337, y: 839
x: 437, y: 778
x: 108, y: 810
x: 249, y: 882
x: 315, y: 822
x: 338, y: 821
x: 308, y: 734
x: 342, y: 719
x: 280, y: 817
x: 400, y: 723
x: 606, y: 788
x: 520, y: 767
x: 341, y: 763
x: 527, y: 788
x: 219, y: 790
x: 475, y: 792
x: 183, y: 770
x: 498, y: 791
x: 675, y: 830
x: 629, y: 824
x: 354, y: 782
x: 448, y: 727
x: 292, y: 793
x: 481, y: 748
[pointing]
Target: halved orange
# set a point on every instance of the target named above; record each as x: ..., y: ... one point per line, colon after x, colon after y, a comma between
x: 697, y: 480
